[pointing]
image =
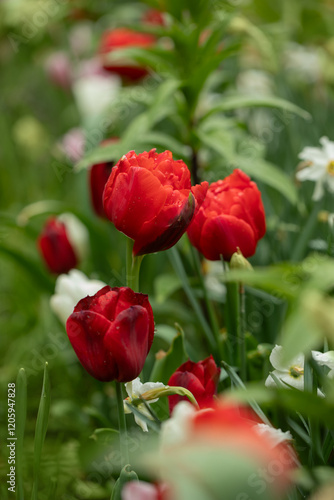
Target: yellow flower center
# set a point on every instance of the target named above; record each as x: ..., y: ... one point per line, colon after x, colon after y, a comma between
x: 296, y: 371
x: 330, y: 167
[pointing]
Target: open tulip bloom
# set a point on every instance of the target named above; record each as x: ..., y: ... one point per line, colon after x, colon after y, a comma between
x: 231, y: 217
x: 149, y: 198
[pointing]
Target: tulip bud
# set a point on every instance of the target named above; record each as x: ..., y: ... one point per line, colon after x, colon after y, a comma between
x: 112, y: 333
x: 63, y: 243
x: 238, y: 261
x: 201, y: 379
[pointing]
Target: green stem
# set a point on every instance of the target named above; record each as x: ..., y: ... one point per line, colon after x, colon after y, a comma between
x: 232, y: 316
x: 122, y: 425
x: 306, y: 233
x: 209, y: 306
x: 241, y: 333
x: 132, y: 267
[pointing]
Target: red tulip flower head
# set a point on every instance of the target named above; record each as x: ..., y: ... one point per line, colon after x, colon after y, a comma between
x: 150, y: 199
x: 201, y: 379
x: 112, y: 333
x: 124, y: 38
x: 231, y: 217
x: 63, y: 243
x: 98, y: 176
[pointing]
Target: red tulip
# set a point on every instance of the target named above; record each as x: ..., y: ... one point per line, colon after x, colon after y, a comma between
x: 231, y: 216
x: 63, y: 242
x: 124, y: 38
x: 201, y: 379
x: 98, y: 176
x: 112, y: 333
x: 150, y: 199
x: 154, y: 16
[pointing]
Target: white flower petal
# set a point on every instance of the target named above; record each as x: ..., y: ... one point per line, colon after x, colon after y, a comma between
x: 318, y: 190
x: 314, y: 155
x: 277, y: 436
x: 290, y: 381
x: 324, y: 358
x: 311, y: 173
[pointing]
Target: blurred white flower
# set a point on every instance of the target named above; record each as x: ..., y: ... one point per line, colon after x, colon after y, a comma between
x: 94, y: 93
x: 175, y: 429
x: 276, y: 436
x: 135, y: 389
x: 319, y: 167
x: 70, y: 288
x: 77, y: 234
x: 254, y: 82
x: 292, y: 374
x: 303, y: 63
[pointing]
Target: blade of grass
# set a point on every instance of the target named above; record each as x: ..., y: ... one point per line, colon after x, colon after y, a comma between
x: 40, y: 432
x: 21, y: 414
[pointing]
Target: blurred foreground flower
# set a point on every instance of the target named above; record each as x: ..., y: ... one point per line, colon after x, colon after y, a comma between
x: 121, y: 38
x: 150, y: 199
x: 231, y: 216
x: 72, y: 144
x: 221, y: 450
x: 319, y: 167
x: 59, y: 69
x: 135, y: 389
x: 70, y: 288
x: 63, y: 243
x: 201, y: 379
x: 292, y: 374
x: 303, y: 63
x: 140, y: 490
x: 112, y: 333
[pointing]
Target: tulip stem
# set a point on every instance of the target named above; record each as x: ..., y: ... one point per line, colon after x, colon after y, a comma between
x: 122, y: 425
x: 241, y: 333
x: 132, y: 267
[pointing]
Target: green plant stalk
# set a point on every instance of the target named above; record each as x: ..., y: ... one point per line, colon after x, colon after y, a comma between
x: 232, y: 318
x: 122, y: 425
x: 306, y: 233
x: 181, y: 273
x: 241, y: 332
x: 132, y: 267
x: 209, y: 306
x: 311, y: 386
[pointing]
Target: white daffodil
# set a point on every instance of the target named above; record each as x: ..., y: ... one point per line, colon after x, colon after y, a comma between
x: 70, y: 288
x: 292, y: 375
x: 175, y: 429
x: 135, y: 389
x: 276, y: 436
x: 319, y: 167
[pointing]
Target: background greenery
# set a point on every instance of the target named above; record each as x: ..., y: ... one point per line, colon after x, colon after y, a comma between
x: 188, y: 105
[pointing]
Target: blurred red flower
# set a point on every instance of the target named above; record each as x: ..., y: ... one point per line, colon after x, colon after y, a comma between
x: 120, y: 38
x: 201, y: 379
x: 63, y: 242
x: 231, y: 216
x: 112, y: 333
x: 150, y: 199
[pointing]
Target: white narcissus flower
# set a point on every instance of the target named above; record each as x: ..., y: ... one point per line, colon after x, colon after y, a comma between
x: 319, y: 167
x: 77, y: 234
x: 175, y: 429
x: 276, y: 436
x: 70, y: 288
x: 292, y: 374
x: 94, y: 93
x: 135, y: 389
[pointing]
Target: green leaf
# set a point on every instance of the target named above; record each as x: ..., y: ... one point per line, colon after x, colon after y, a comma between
x: 238, y: 101
x: 163, y: 368
x: 126, y: 476
x: 271, y: 175
x: 155, y: 139
x: 21, y: 414
x: 112, y: 152
x: 40, y: 431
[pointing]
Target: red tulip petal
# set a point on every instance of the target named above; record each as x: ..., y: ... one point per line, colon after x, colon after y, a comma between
x: 86, y: 331
x: 55, y: 247
x: 222, y: 235
x: 135, y: 198
x: 127, y: 340
x: 171, y: 223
